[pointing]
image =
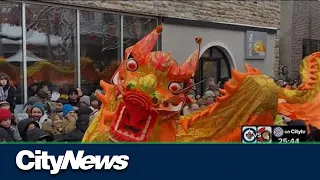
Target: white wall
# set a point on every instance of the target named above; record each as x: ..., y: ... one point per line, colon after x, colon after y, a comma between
x: 179, y: 40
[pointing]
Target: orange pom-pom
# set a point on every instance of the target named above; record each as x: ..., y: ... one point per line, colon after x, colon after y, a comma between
x: 159, y: 29
x: 198, y: 40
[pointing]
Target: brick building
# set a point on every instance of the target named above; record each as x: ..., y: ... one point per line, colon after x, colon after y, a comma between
x: 101, y: 30
x: 300, y: 32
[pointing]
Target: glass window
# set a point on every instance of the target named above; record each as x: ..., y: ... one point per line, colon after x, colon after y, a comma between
x: 212, y: 64
x: 135, y: 28
x: 310, y: 46
x: 100, y: 48
x: 209, y: 70
x: 51, y: 46
x: 11, y: 46
x: 225, y: 69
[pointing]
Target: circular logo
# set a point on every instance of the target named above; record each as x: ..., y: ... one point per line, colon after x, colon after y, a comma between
x: 249, y: 135
x: 278, y: 132
x: 266, y: 136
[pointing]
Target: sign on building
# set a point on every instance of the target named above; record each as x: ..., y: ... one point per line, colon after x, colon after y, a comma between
x: 256, y: 45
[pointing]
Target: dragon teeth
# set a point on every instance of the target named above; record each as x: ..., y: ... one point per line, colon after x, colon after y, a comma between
x: 132, y: 136
x: 142, y: 136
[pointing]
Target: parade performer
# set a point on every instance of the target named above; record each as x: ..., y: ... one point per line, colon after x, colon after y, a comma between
x: 146, y: 96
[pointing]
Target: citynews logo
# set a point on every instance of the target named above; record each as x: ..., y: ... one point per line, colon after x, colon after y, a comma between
x: 253, y: 134
x: 40, y: 160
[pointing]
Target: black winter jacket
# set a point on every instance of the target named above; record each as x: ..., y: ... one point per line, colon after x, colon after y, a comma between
x: 6, y: 134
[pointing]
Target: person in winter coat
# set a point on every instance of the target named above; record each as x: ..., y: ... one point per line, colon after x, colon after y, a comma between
x: 5, y: 123
x: 70, y: 118
x: 7, y: 91
x: 38, y: 135
x: 74, y: 97
x: 38, y: 113
x: 84, y: 110
x: 25, y: 125
x: 77, y: 134
x: 55, y: 127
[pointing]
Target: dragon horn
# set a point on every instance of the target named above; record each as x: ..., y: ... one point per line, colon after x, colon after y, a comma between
x: 248, y: 68
x: 188, y: 68
x: 251, y: 70
x: 145, y: 45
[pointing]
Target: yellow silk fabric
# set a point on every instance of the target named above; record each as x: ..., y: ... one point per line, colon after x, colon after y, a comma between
x: 301, y: 96
x: 256, y: 97
x: 304, y: 104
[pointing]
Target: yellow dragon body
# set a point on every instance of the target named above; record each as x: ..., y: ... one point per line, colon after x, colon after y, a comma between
x: 146, y: 95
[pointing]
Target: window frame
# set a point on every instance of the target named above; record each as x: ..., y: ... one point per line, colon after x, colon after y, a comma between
x: 22, y: 6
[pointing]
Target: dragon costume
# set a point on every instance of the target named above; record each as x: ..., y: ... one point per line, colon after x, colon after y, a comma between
x: 303, y: 103
x: 146, y: 96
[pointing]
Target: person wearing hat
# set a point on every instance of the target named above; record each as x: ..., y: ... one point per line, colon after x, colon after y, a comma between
x: 5, y: 123
x: 70, y: 118
x: 5, y: 105
x: 37, y: 111
x: 85, y: 101
x: 25, y: 125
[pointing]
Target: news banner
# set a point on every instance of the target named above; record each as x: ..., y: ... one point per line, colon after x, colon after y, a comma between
x: 274, y: 134
x: 158, y: 161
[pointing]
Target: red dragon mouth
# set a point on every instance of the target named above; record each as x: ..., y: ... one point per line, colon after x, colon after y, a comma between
x: 134, y: 119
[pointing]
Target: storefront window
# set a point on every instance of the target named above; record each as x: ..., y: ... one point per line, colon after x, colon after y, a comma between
x: 11, y: 46
x: 135, y: 28
x: 100, y: 45
x: 51, y: 46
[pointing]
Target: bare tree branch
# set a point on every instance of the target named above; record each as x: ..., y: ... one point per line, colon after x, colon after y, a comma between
x: 36, y: 20
x: 30, y: 26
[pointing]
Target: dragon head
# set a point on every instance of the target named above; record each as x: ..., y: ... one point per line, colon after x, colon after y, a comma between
x: 150, y: 86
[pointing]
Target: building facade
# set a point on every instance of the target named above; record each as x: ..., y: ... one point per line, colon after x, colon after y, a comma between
x: 80, y: 42
x: 300, y: 32
x: 222, y: 24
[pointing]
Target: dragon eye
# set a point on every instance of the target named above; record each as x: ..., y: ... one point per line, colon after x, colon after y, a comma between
x: 132, y: 65
x: 174, y: 87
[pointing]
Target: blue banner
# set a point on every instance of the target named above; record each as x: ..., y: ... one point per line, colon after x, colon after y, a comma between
x: 158, y: 161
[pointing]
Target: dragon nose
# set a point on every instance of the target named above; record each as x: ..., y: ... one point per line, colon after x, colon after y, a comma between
x: 148, y: 82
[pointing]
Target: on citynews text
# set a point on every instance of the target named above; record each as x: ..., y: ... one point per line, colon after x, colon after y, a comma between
x: 41, y: 160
